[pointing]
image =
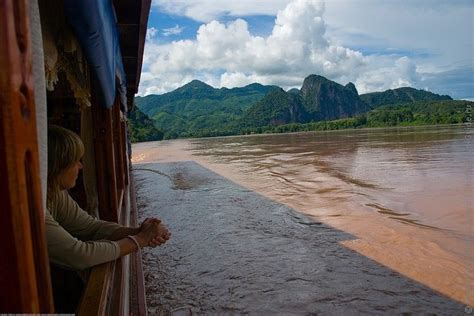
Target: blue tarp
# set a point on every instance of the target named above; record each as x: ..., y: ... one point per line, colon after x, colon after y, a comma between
x: 95, y: 25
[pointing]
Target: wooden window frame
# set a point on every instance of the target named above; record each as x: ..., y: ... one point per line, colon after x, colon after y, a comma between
x: 24, y: 264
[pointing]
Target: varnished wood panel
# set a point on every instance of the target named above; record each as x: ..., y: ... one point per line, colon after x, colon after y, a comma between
x: 24, y: 267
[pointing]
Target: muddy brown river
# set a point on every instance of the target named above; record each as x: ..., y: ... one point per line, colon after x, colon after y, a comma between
x: 380, y: 219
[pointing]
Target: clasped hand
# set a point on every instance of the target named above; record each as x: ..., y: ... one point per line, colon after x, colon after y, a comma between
x: 154, y: 232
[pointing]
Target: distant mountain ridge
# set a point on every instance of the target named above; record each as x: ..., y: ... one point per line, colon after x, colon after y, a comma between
x: 399, y: 96
x: 197, y: 106
x: 199, y: 109
x: 198, y: 90
x: 321, y: 99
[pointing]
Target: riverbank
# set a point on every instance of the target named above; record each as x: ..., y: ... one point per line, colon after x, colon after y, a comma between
x: 235, y: 251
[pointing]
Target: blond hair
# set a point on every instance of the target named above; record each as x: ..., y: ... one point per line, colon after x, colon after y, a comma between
x: 64, y: 149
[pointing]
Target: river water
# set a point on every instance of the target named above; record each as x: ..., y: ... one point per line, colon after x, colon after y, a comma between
x: 405, y: 194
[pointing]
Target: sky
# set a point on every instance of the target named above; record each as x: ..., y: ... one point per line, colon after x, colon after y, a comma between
x: 376, y: 44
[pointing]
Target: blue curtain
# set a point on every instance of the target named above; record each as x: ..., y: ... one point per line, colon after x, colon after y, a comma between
x: 95, y: 26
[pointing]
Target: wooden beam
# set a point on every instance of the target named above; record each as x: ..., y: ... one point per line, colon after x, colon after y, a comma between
x: 126, y: 163
x: 116, y: 300
x: 95, y: 297
x: 119, y: 148
x: 137, y: 282
x: 132, y: 19
x: 24, y: 266
x: 105, y: 160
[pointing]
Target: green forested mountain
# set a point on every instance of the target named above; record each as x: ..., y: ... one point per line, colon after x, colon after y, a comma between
x: 319, y: 99
x: 197, y: 109
x: 407, y: 114
x: 142, y: 129
x: 400, y: 95
x: 277, y: 107
x: 324, y: 99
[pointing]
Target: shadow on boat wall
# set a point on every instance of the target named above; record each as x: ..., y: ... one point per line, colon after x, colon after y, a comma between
x: 76, y: 64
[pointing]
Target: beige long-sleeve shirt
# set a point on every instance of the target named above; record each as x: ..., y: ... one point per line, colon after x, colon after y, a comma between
x: 75, y: 239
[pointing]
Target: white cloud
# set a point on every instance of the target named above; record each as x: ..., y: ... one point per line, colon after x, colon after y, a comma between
x: 208, y: 10
x: 173, y: 30
x: 402, y: 74
x: 429, y: 31
x: 151, y: 33
x: 424, y: 27
x: 238, y: 79
x: 299, y: 45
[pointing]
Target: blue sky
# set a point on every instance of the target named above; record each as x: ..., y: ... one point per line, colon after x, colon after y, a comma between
x: 427, y: 44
